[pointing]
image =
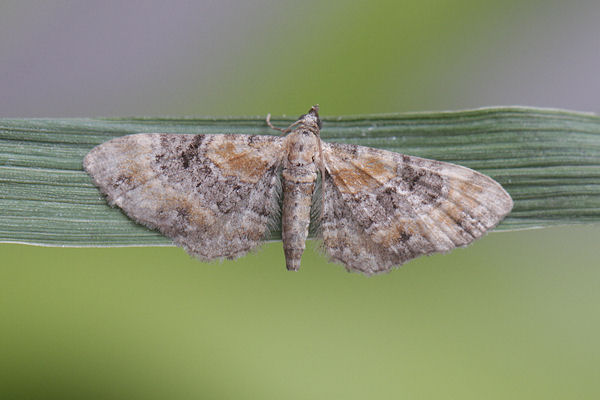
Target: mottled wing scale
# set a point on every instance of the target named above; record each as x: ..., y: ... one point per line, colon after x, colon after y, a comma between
x: 215, y: 195
x: 383, y: 208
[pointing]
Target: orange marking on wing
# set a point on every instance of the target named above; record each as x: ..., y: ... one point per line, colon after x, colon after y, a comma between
x: 136, y: 172
x: 453, y: 211
x: 364, y: 174
x: 247, y: 165
x: 197, y: 216
x: 464, y: 193
x: 400, y: 230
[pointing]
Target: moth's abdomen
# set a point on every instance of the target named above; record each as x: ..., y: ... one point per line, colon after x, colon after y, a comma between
x: 298, y: 187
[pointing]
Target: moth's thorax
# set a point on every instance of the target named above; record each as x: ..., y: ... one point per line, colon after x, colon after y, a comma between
x: 302, y: 146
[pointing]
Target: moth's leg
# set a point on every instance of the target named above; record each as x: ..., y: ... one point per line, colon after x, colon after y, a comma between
x: 286, y: 130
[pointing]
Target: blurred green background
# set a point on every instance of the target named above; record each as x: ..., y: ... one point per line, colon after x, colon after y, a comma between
x: 515, y: 315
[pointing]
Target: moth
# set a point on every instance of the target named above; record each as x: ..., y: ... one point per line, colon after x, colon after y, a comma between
x: 218, y: 196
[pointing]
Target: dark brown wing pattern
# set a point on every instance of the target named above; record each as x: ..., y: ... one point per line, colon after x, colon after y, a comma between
x: 383, y: 208
x: 212, y: 194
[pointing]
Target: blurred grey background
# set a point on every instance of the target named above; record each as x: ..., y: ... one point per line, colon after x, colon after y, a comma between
x: 114, y: 58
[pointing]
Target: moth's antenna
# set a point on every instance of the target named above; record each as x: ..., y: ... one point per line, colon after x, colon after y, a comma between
x: 286, y: 130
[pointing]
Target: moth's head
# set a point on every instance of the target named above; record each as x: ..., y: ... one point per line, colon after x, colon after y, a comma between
x: 311, y: 118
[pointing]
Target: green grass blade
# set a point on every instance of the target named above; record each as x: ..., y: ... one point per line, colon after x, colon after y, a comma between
x: 548, y: 160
